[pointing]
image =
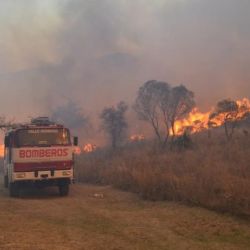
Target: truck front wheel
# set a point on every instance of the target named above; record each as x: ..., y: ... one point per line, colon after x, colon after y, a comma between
x: 64, y: 189
x: 13, y: 190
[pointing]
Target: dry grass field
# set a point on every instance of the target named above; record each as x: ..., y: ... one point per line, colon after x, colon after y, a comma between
x: 214, y: 174
x: 165, y: 208
x: 103, y: 218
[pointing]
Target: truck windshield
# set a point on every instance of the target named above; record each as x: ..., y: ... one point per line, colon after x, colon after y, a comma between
x: 42, y: 137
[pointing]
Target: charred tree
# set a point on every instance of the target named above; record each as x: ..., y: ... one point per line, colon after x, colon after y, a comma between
x: 114, y: 123
x: 230, y: 113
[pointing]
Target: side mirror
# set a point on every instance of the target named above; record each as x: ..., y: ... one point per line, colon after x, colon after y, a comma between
x: 7, y: 141
x: 75, y: 142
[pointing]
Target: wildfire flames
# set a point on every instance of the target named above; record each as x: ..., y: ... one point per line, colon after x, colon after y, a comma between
x: 88, y: 148
x: 198, y: 121
x: 137, y: 137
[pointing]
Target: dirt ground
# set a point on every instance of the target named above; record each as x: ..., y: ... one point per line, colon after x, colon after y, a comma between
x: 100, y: 217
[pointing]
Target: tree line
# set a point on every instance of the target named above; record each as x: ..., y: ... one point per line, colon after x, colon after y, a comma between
x: 162, y: 105
x: 159, y: 104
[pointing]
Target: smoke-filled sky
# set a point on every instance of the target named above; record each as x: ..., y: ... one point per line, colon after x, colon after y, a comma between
x: 98, y: 52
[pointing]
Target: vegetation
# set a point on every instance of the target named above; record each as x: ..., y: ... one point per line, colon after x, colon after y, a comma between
x: 114, y: 123
x: 150, y: 107
x: 162, y: 105
x: 180, y: 103
x: 202, y: 170
x: 214, y: 174
x: 230, y: 112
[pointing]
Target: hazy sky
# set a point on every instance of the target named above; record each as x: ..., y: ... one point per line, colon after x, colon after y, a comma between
x: 99, y: 52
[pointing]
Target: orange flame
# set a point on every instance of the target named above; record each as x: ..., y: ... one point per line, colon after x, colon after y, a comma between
x: 198, y: 121
x: 88, y: 148
x: 137, y: 137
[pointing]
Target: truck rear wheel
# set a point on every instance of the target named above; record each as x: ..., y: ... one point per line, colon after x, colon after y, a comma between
x: 13, y: 190
x: 6, y: 181
x: 64, y: 189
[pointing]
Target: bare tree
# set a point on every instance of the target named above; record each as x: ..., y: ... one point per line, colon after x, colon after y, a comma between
x: 161, y: 106
x: 150, y: 107
x: 180, y: 103
x: 229, y: 112
x: 114, y: 123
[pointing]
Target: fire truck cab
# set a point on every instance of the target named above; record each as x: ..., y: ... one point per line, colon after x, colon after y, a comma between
x: 38, y: 154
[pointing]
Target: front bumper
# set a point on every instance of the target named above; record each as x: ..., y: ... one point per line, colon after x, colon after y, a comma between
x: 42, y: 175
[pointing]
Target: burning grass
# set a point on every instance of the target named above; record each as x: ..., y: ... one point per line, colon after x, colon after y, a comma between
x: 214, y: 174
x: 197, y: 121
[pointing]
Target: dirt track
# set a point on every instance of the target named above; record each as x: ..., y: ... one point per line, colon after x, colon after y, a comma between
x: 95, y: 217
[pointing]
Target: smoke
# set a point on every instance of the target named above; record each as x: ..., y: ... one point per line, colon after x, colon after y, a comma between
x: 71, y: 115
x: 28, y: 34
x: 99, y: 52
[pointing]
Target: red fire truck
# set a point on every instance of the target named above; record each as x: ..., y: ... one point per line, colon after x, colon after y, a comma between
x: 38, y: 154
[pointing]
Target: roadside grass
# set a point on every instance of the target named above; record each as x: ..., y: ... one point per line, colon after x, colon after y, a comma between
x: 214, y: 174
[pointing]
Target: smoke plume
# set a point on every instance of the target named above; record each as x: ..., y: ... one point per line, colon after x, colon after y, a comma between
x: 99, y: 52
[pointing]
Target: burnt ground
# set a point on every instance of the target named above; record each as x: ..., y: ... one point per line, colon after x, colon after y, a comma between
x: 100, y: 217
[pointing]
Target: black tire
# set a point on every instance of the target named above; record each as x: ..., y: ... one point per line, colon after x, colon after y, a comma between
x: 63, y: 189
x: 6, y: 181
x: 13, y: 190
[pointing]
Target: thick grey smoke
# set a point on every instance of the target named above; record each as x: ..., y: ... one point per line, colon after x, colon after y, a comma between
x: 99, y: 52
